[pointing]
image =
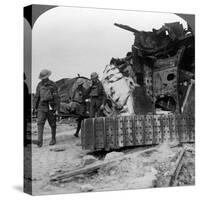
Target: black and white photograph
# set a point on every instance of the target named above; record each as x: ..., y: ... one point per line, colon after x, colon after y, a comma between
x: 109, y: 99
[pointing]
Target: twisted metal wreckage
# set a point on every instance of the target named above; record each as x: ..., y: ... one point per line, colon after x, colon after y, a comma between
x: 157, y: 101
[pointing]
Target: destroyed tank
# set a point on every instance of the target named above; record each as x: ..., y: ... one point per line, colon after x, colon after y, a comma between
x: 159, y: 104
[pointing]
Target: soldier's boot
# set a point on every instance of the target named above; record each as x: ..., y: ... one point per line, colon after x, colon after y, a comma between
x: 40, y: 135
x: 53, y: 134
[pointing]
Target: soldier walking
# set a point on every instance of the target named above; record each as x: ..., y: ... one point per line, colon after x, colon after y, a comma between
x: 79, y: 98
x: 46, y: 103
x: 97, y: 96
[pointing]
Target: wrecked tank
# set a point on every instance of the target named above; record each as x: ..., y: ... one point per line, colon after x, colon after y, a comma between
x: 162, y: 64
x: 159, y: 105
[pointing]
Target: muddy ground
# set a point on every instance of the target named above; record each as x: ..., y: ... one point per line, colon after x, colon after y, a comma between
x: 145, y: 170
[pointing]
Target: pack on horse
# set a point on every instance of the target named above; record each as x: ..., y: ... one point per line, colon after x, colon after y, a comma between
x: 72, y: 94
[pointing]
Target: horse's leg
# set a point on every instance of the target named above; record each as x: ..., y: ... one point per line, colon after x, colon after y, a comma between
x: 78, y: 126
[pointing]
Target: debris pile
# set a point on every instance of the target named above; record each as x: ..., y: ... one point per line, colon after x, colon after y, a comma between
x: 187, y: 171
x: 88, y: 159
x: 86, y: 188
x: 152, y: 167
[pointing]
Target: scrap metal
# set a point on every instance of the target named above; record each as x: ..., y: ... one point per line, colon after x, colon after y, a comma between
x: 162, y: 64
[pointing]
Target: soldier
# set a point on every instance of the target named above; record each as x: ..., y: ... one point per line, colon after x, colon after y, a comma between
x: 79, y: 98
x: 97, y: 96
x: 46, y: 102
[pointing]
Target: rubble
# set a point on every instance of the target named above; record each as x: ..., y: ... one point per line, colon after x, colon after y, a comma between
x: 86, y: 188
x: 147, y: 181
x: 88, y: 159
x: 57, y: 149
x: 147, y: 168
x: 113, y: 154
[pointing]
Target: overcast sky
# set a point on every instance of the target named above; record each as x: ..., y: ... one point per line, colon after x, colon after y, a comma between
x: 69, y: 41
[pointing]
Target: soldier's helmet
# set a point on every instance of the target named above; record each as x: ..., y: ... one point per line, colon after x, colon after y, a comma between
x: 45, y: 73
x: 94, y: 75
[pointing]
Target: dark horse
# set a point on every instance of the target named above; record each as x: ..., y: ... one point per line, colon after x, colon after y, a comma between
x: 72, y: 94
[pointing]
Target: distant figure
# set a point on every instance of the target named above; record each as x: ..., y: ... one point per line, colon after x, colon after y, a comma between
x: 97, y: 96
x: 46, y: 103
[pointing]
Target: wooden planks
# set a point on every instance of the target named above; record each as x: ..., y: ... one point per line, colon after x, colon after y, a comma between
x: 95, y: 166
x: 108, y: 133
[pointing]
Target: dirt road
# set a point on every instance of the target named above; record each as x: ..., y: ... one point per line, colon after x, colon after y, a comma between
x: 145, y: 171
x: 66, y: 154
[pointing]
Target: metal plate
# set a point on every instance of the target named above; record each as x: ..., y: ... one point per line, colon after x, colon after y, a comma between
x: 120, y: 128
x: 139, y: 130
x: 110, y: 133
x: 162, y: 84
x: 128, y: 130
x: 89, y: 134
x: 83, y: 135
x: 157, y: 130
x: 148, y: 129
x: 172, y: 128
x: 166, y: 129
x: 115, y: 132
x: 100, y: 132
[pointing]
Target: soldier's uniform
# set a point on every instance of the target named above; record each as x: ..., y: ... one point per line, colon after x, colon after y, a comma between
x: 97, y: 96
x: 46, y: 102
x: 79, y: 99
